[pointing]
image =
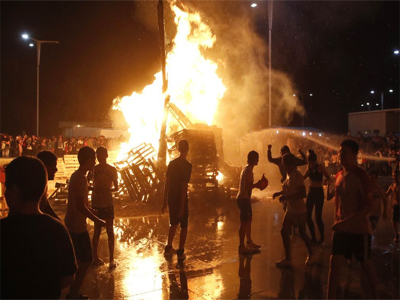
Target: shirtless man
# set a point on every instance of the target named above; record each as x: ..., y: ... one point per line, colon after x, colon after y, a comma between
x: 75, y: 218
x: 105, y: 181
x: 293, y: 193
x: 352, y: 229
x: 243, y: 199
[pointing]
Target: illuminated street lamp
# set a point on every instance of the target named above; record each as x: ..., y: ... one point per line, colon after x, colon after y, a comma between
x: 301, y: 97
x: 270, y: 14
x: 38, y: 44
x: 382, y: 93
x: 396, y: 52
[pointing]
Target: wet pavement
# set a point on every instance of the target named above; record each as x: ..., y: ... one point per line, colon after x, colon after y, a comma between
x: 214, y: 270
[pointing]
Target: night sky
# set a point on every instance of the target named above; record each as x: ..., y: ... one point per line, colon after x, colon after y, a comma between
x: 338, y: 51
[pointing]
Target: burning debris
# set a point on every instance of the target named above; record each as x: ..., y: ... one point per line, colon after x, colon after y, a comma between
x: 143, y: 180
x: 140, y: 177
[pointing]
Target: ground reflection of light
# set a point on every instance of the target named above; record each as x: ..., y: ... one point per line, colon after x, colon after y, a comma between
x: 143, y: 279
x: 220, y: 225
x: 212, y: 285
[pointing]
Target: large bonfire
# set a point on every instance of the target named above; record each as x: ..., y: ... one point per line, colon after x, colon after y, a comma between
x: 193, y: 84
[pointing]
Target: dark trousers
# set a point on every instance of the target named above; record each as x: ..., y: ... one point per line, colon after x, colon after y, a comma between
x: 315, y: 198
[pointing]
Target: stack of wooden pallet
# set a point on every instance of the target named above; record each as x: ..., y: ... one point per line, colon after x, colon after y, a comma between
x: 140, y: 177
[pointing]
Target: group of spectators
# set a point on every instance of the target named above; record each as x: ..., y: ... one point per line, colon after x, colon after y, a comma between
x: 31, y: 145
x: 378, y: 153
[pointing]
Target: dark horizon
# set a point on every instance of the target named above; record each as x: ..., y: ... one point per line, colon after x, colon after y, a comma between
x: 338, y: 51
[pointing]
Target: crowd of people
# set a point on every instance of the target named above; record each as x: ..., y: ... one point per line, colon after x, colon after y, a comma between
x: 60, y: 255
x: 24, y: 144
x: 358, y: 203
x: 378, y: 153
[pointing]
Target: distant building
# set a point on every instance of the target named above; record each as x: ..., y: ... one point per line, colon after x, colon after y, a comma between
x: 88, y: 129
x: 374, y: 122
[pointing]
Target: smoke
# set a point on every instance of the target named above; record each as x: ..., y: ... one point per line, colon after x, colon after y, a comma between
x: 242, y: 55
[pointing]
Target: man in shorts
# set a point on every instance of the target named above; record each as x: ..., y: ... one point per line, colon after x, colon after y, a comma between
x: 50, y: 162
x: 37, y: 257
x: 105, y: 181
x: 243, y: 199
x: 351, y: 229
x: 293, y: 193
x: 175, y: 191
x: 75, y: 218
x: 393, y: 191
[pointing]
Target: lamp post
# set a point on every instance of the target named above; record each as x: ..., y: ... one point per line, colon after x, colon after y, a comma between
x: 301, y: 98
x: 270, y: 11
x: 38, y: 44
x: 382, y: 93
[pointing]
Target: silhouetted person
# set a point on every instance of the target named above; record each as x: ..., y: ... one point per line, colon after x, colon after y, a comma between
x: 378, y: 198
x: 293, y: 193
x: 37, y: 256
x: 315, y: 195
x: 243, y: 200
x: 245, y: 277
x: 278, y: 160
x: 175, y: 191
x: 75, y: 218
x: 105, y: 181
x: 393, y: 191
x: 352, y: 229
x: 50, y: 162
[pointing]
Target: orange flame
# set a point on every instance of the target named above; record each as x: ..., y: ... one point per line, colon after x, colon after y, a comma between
x: 193, y: 84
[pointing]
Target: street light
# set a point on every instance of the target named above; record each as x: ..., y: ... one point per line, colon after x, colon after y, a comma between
x: 301, y: 97
x: 253, y: 5
x: 38, y: 44
x: 396, y: 52
x: 382, y: 94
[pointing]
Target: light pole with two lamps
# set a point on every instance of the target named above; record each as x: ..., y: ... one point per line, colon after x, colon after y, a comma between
x: 373, y: 92
x: 38, y: 46
x: 301, y: 98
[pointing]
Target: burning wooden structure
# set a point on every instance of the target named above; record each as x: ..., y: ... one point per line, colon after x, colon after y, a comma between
x: 140, y: 177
